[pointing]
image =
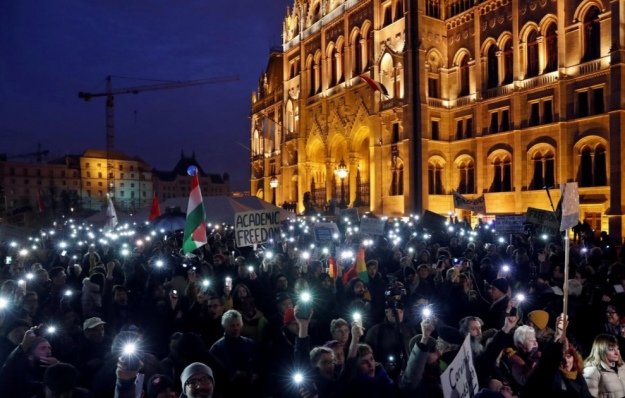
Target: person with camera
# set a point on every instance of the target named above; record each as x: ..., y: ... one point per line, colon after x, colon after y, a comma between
x: 390, y: 338
x: 22, y: 373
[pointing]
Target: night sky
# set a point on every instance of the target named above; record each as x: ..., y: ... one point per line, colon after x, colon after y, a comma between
x: 50, y: 50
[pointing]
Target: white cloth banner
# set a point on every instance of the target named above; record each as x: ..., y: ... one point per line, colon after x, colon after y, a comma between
x: 570, y: 205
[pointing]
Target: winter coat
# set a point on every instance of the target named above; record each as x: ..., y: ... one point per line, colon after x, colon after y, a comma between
x: 604, y: 382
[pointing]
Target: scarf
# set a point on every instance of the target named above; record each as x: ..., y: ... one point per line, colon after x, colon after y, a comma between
x: 570, y: 375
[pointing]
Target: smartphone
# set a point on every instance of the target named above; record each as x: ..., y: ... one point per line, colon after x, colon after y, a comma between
x: 229, y: 282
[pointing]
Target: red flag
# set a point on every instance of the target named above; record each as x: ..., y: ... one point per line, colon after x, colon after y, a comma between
x: 375, y: 85
x: 155, y: 210
x: 40, y: 204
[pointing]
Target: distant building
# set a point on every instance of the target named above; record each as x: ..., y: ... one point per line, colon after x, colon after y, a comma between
x: 485, y: 97
x: 176, y: 183
x: 132, y: 180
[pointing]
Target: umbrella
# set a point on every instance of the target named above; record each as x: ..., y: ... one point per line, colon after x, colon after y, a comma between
x: 171, y: 220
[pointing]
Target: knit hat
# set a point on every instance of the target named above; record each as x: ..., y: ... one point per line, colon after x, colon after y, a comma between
x: 60, y: 377
x: 159, y: 383
x: 289, y: 316
x: 539, y: 318
x: 193, y: 369
x: 501, y: 284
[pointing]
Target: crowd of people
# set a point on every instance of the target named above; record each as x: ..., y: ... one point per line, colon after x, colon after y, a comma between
x: 124, y: 313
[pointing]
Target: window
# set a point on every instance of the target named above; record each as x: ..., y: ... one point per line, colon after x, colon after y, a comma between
x: 466, y: 171
x: 88, y: 174
x: 100, y: 183
x: 552, y: 48
x: 88, y: 183
x: 493, y: 75
x: 544, y: 170
x: 597, y: 99
x: 494, y: 122
x: 88, y: 192
x: 532, y: 54
x: 395, y: 133
x: 357, y: 45
x: 99, y: 175
x: 547, y: 111
x: 459, y: 129
x: 534, y: 119
x: 592, y: 35
x: 121, y: 193
x: 507, y: 62
x: 388, y: 14
x: 505, y: 120
x: 592, y: 167
x: 433, y: 87
x: 121, y: 167
x: 502, y: 174
x: 435, y: 178
x: 132, y: 185
x: 464, y: 76
x: 435, y: 130
x: 468, y: 127
x: 399, y: 9
x: 397, y: 177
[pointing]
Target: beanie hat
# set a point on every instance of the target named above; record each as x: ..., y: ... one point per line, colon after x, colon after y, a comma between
x: 159, y: 383
x: 539, y: 318
x: 193, y: 369
x: 60, y: 377
x: 289, y: 316
x: 501, y: 284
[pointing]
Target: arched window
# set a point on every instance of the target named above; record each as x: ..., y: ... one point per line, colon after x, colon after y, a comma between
x: 466, y: 171
x: 551, y: 39
x: 464, y: 76
x: 435, y: 178
x: 592, y: 35
x: 544, y: 170
x: 331, y: 66
x: 532, y: 54
x: 507, y: 62
x: 290, y: 117
x: 592, y: 167
x: 493, y: 75
x: 397, y: 177
x: 357, y: 51
x: 387, y: 71
x: 502, y: 174
x: 339, y: 62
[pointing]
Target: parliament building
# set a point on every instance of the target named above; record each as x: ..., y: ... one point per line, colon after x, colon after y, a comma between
x: 391, y: 105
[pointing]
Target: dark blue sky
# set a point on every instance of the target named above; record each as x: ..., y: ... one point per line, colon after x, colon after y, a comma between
x: 50, y: 50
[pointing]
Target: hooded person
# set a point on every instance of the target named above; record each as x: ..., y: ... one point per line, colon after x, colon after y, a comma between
x: 498, y: 291
x: 60, y: 381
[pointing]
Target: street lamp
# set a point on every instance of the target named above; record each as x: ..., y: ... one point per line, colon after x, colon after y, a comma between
x: 273, y: 183
x: 342, y: 172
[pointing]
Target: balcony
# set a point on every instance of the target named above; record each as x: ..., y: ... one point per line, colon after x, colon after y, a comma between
x: 589, y: 67
x: 539, y: 81
x: 498, y: 91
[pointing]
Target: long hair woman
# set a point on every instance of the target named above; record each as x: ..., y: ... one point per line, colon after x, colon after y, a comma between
x: 604, y: 371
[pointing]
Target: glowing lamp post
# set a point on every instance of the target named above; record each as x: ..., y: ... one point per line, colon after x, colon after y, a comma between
x: 273, y: 183
x: 341, y: 172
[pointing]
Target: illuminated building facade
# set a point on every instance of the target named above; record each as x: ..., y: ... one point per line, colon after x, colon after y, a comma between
x: 493, y: 97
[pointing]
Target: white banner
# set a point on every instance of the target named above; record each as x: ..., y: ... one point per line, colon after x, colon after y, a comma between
x: 256, y: 227
x: 570, y: 205
x: 372, y: 226
x: 460, y: 379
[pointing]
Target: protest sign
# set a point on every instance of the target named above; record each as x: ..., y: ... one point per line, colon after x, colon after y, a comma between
x: 372, y: 226
x: 477, y: 205
x: 256, y: 227
x: 433, y: 220
x: 460, y: 378
x: 350, y: 215
x: 570, y: 205
x: 510, y: 224
x: 324, y: 231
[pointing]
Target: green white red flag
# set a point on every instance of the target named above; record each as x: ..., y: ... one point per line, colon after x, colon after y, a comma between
x: 195, y: 226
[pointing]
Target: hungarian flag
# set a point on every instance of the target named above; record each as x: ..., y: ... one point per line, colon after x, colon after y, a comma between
x: 155, y: 210
x: 375, y: 85
x: 195, y: 225
x: 332, y: 271
x: 111, y: 215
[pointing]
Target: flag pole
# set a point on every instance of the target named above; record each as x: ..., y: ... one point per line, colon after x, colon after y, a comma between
x: 565, y: 287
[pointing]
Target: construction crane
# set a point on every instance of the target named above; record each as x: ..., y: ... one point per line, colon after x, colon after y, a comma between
x: 110, y: 94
